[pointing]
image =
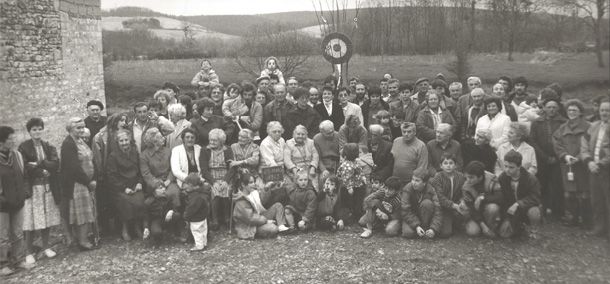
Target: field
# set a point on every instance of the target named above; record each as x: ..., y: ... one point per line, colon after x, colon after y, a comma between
x: 560, y: 255
x: 128, y: 81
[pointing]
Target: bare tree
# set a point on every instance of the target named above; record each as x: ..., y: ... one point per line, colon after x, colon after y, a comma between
x: 291, y: 47
x: 514, y: 14
x: 594, y: 11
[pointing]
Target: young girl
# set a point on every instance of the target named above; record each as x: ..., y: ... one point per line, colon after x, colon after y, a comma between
x: 271, y: 68
x: 331, y: 211
x: 233, y: 105
x: 352, y: 179
x: 301, y: 208
x: 383, y: 116
x: 196, y: 210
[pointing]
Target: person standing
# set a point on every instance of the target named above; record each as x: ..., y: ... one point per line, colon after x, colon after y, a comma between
x: 95, y: 121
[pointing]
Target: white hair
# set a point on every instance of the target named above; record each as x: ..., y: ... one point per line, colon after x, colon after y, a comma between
x: 327, y: 124
x: 274, y: 124
x: 299, y: 127
x: 176, y: 111
x: 445, y: 127
x: 474, y: 79
x: 218, y: 134
x: 376, y: 128
x: 456, y: 84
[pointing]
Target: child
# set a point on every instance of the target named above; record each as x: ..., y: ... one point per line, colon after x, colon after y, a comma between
x: 375, y: 183
x: 196, y: 210
x: 521, y: 197
x: 421, y: 210
x: 301, y: 208
x: 271, y: 68
x: 382, y: 207
x: 352, y: 179
x: 205, y: 78
x: 448, y: 184
x: 383, y: 116
x: 233, y: 105
x: 531, y: 112
x: 331, y: 213
x: 482, y: 195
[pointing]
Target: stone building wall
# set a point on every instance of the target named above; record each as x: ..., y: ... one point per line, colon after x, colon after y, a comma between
x: 50, y: 62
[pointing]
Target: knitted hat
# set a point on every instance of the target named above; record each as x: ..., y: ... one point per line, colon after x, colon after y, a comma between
x: 95, y: 103
x: 421, y: 80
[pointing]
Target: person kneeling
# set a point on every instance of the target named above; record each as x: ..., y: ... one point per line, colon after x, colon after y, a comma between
x: 332, y: 209
x: 481, y: 195
x: 197, y: 209
x: 301, y: 208
x: 382, y: 208
x: 251, y: 218
x: 522, y: 194
x: 421, y: 210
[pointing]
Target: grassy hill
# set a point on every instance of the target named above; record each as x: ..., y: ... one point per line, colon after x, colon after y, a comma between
x: 171, y: 28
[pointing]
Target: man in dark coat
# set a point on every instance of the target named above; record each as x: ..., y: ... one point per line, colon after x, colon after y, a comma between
x: 382, y: 153
x: 94, y: 121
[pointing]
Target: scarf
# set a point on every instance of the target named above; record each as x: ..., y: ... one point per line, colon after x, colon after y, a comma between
x: 255, y: 199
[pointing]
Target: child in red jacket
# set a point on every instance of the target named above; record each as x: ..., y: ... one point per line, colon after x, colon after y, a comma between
x: 196, y: 210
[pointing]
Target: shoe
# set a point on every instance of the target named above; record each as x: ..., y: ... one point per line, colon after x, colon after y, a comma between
x: 282, y: 228
x: 85, y: 246
x: 196, y: 249
x: 366, y: 234
x: 30, y: 260
x: 6, y: 271
x: 49, y: 253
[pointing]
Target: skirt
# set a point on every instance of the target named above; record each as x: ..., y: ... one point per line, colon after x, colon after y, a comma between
x: 129, y: 206
x: 40, y: 211
x: 82, y: 208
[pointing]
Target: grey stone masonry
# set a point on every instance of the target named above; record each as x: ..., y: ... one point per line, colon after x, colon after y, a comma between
x: 50, y: 62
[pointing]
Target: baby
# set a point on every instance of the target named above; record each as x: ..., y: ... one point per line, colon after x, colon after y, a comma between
x: 233, y: 105
x: 271, y: 68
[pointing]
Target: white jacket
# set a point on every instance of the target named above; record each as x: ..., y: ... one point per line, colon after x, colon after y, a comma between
x: 180, y: 163
x: 499, y: 126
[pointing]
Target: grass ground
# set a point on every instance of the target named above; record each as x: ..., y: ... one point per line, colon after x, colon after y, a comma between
x: 129, y: 81
x: 559, y: 255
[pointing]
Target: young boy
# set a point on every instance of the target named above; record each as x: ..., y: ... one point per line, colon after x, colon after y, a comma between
x: 331, y: 212
x: 301, y: 208
x: 382, y: 207
x: 196, y: 210
x: 482, y: 196
x: 421, y: 210
x: 448, y: 184
x: 521, y: 197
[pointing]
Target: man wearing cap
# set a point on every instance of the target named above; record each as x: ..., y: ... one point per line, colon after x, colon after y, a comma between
x: 95, y: 121
x: 423, y: 86
x: 262, y: 83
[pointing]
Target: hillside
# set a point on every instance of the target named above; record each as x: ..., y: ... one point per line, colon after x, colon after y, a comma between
x: 170, y: 28
x: 236, y: 25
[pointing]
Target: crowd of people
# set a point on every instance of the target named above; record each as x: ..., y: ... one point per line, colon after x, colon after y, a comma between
x: 276, y: 156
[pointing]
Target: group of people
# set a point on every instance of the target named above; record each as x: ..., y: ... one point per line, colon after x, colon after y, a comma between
x: 421, y: 160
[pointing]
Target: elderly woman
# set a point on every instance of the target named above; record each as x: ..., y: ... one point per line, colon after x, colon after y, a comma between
x: 215, y: 161
x: 162, y: 194
x: 300, y: 154
x: 125, y: 185
x: 163, y: 97
x: 480, y: 150
x: 40, y: 210
x: 185, y: 158
x: 272, y: 147
x: 177, y: 115
x: 246, y: 154
x: 430, y: 117
x: 353, y: 132
x: 77, y: 181
x: 517, y: 134
x: 252, y: 219
x: 566, y: 142
x: 327, y: 144
x: 495, y: 121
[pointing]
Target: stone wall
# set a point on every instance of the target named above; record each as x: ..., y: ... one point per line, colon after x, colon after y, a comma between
x: 50, y: 62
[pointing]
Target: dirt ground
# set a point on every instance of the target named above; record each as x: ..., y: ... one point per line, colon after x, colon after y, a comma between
x: 559, y: 255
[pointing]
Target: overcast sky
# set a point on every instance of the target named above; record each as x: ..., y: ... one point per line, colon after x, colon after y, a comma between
x: 220, y: 7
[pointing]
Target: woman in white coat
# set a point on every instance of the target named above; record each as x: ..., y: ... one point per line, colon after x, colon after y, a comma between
x: 185, y: 157
x: 497, y: 122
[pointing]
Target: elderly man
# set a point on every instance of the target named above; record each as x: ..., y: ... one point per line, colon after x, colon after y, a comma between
x: 277, y: 110
x: 455, y: 91
x: 470, y: 108
x: 94, y: 121
x: 443, y: 144
x: 262, y: 84
x: 349, y: 108
x: 473, y: 83
x: 327, y: 144
x: 595, y: 151
x: 382, y: 152
x: 314, y: 97
x: 409, y: 153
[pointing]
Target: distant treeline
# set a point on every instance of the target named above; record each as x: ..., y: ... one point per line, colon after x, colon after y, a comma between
x: 142, y: 23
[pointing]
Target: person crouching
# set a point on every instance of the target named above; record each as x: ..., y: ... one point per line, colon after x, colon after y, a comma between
x: 301, y: 208
x: 421, y: 210
x: 332, y: 211
x: 197, y: 209
x: 382, y: 207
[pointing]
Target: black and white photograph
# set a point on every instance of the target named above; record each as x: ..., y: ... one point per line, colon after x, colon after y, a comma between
x: 304, y: 141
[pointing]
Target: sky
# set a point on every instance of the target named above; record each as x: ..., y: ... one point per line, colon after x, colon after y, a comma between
x: 221, y: 7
